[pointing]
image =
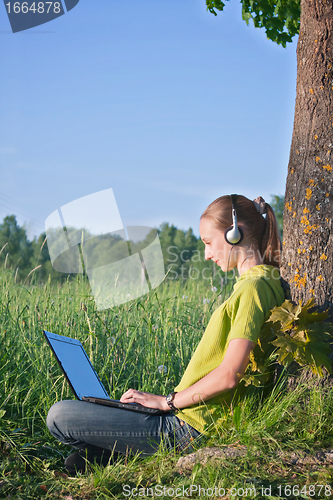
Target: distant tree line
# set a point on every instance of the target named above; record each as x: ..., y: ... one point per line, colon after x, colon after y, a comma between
x: 183, y: 252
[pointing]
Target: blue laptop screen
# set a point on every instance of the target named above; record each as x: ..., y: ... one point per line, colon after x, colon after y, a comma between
x: 76, y: 366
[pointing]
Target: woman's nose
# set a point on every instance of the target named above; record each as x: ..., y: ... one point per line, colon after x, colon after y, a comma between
x: 208, y: 254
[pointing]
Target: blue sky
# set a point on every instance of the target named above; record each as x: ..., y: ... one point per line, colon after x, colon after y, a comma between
x: 164, y: 103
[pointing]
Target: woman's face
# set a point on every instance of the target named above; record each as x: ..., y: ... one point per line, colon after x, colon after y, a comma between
x: 216, y: 247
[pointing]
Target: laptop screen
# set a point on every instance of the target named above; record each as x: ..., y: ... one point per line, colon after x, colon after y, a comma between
x: 76, y: 366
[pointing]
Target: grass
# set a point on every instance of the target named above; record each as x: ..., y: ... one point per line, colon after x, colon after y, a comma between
x: 131, y: 342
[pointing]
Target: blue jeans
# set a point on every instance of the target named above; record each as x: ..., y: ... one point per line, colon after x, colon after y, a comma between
x: 83, y: 424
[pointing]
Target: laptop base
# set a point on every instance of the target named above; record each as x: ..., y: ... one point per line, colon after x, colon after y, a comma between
x: 124, y: 406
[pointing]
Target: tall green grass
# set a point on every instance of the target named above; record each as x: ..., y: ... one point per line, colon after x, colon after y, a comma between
x: 144, y: 344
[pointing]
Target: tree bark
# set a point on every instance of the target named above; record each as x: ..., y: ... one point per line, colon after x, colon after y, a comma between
x: 307, y: 259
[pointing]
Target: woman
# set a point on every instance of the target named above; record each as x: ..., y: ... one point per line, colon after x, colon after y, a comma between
x: 236, y: 236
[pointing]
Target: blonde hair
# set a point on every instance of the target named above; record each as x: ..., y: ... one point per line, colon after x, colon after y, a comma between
x: 262, y: 231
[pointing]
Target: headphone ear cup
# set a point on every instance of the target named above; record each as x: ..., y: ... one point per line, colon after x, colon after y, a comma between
x: 233, y: 235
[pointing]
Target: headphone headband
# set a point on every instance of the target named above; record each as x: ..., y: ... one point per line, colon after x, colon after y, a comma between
x: 233, y: 200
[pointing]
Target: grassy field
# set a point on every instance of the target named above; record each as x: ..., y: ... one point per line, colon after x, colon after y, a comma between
x: 144, y: 344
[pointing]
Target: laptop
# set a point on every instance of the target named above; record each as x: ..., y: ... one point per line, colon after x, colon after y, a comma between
x: 81, y: 376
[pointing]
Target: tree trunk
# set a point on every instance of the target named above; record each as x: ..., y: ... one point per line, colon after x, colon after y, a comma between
x: 307, y: 261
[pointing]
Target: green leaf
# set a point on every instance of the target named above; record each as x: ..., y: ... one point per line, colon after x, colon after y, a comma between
x: 285, y: 343
x: 215, y: 4
x: 314, y: 317
x: 285, y: 358
x: 301, y: 336
x: 246, y: 17
x: 286, y: 314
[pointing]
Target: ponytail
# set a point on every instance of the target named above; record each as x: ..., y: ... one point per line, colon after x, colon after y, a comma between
x: 271, y: 242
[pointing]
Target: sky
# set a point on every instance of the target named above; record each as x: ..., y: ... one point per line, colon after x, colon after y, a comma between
x: 163, y: 102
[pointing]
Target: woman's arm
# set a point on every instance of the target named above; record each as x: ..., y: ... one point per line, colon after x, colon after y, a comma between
x: 225, y: 376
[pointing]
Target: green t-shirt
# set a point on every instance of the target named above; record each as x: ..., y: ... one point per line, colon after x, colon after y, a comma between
x: 241, y: 316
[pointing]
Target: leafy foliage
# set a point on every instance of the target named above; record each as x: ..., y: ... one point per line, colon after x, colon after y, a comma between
x: 292, y: 333
x: 15, y: 248
x: 279, y: 18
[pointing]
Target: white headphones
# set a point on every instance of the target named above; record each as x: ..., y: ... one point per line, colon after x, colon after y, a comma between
x: 233, y: 234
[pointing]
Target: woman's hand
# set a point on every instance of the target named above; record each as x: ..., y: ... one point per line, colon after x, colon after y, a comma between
x: 145, y: 399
